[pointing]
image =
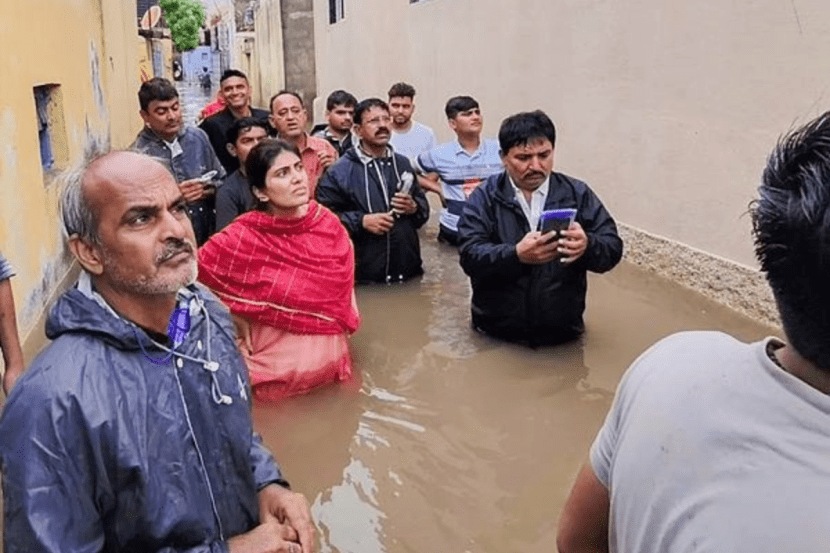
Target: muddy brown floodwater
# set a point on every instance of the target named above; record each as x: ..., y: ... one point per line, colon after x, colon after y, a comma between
x: 449, y: 442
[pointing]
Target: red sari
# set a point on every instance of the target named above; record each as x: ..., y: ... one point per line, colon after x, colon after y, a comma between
x: 293, y: 280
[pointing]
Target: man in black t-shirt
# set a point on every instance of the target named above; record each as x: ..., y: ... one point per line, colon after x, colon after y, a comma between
x: 236, y: 91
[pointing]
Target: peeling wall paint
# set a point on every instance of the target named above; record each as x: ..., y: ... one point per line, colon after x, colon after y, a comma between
x: 96, y: 70
x: 95, y: 75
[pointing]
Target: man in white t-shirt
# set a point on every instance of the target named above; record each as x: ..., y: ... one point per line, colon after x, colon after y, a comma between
x: 409, y: 138
x: 714, y: 445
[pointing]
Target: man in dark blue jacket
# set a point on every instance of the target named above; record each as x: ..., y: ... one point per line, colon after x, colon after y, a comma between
x: 530, y: 286
x: 373, y: 191
x: 132, y: 430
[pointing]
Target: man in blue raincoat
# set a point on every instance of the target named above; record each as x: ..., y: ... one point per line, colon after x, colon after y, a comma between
x: 132, y: 430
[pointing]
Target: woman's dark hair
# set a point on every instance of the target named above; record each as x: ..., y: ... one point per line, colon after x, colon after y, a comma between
x: 519, y: 129
x: 791, y: 228
x: 261, y: 158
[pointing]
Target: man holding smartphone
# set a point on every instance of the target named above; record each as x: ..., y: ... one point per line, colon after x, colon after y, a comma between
x: 529, y: 286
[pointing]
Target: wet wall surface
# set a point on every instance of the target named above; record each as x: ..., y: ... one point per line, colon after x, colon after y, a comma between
x: 447, y: 441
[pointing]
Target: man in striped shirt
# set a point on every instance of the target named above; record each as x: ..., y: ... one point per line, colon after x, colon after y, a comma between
x: 454, y: 169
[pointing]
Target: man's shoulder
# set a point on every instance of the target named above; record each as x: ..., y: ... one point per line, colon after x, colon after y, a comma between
x: 402, y: 161
x: 441, y: 154
x: 218, y: 120
x: 233, y: 185
x: 346, y: 161
x: 196, y: 134
x: 694, y: 354
x: 260, y: 113
x: 421, y: 127
x: 579, y: 184
x: 61, y: 367
x: 491, y: 148
x: 144, y: 140
x: 488, y: 193
x: 491, y: 184
x: 318, y: 144
x: 419, y: 130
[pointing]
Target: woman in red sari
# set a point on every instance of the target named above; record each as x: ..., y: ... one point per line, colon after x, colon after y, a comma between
x: 286, y: 272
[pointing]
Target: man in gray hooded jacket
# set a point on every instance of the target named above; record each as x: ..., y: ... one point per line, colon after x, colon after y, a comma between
x: 132, y: 431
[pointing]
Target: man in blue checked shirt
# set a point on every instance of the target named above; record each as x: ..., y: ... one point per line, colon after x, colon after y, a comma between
x: 461, y: 164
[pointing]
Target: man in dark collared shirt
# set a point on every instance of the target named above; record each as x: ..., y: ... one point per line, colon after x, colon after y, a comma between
x: 234, y: 197
x: 234, y: 88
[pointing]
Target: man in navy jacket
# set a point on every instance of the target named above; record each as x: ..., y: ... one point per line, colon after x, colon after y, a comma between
x: 530, y: 286
x: 373, y: 191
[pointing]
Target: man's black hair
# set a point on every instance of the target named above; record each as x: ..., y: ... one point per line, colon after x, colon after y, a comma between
x: 367, y: 104
x: 228, y: 73
x: 284, y: 93
x: 157, y: 88
x: 241, y: 125
x: 401, y: 90
x: 457, y: 104
x: 340, y: 98
x: 791, y: 229
x: 519, y: 129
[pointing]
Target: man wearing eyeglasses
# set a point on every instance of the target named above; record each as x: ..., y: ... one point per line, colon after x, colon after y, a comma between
x: 374, y: 192
x: 290, y: 119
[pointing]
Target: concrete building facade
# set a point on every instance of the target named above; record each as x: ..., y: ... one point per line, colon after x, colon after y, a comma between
x: 71, y: 76
x: 667, y: 109
x: 281, y: 52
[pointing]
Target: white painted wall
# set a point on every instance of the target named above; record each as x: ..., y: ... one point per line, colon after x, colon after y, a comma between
x: 667, y: 108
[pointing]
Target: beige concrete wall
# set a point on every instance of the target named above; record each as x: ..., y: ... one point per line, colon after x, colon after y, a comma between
x: 268, y: 53
x: 667, y: 109
x: 90, y: 51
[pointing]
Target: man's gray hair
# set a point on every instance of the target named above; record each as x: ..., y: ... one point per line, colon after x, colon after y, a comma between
x: 76, y: 215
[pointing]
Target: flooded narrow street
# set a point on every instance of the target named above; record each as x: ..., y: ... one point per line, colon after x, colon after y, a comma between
x: 451, y: 442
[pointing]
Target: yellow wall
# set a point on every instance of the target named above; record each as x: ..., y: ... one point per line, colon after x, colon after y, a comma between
x: 88, y: 48
x: 668, y: 109
x: 144, y: 56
